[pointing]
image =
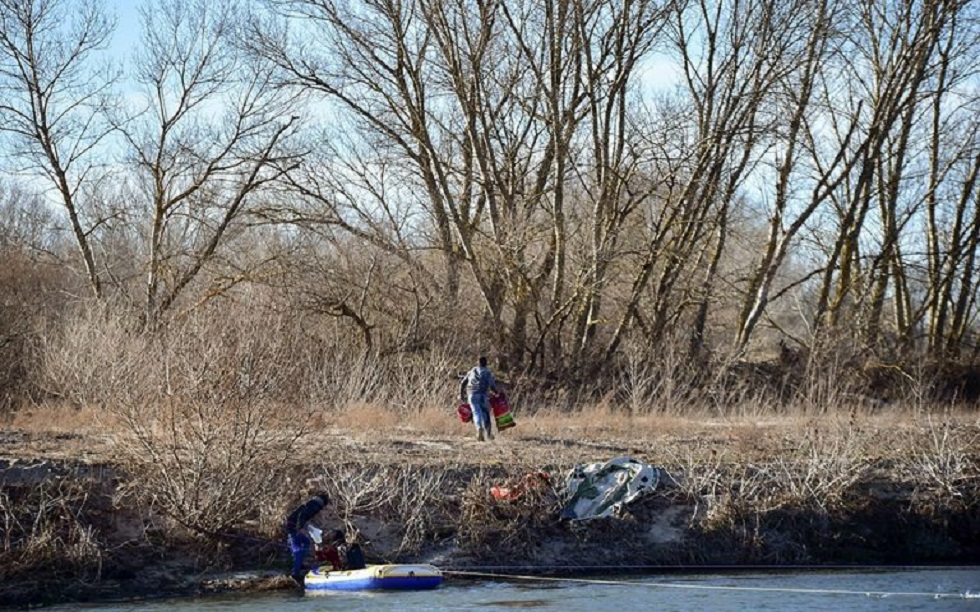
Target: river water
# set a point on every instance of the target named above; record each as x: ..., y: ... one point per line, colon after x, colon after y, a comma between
x: 906, y: 589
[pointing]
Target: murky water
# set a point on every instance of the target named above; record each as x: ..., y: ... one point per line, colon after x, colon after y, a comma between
x: 910, y: 589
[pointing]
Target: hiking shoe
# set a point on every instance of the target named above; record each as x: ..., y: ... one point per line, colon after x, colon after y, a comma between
x: 479, y: 435
x: 489, y: 434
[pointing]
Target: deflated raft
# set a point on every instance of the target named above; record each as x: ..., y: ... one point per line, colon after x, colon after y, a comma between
x: 399, y: 577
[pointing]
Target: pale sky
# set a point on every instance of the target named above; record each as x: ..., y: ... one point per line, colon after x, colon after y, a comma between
x: 127, y: 26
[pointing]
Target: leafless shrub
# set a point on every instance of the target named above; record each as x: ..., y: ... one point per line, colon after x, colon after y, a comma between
x: 477, y: 530
x: 206, y: 466
x: 204, y: 433
x: 44, y: 527
x: 513, y: 523
x: 410, y: 497
x: 404, y: 383
x: 345, y: 380
x: 356, y: 490
x: 419, y: 505
x: 28, y: 302
x: 738, y: 497
x: 95, y: 359
x: 943, y: 458
x: 639, y: 379
x: 702, y: 476
x: 823, y: 468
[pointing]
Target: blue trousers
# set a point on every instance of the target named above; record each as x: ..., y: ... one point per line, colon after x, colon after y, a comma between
x: 299, y: 545
x: 480, y: 404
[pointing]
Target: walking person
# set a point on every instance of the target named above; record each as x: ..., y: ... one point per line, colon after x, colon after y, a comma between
x: 476, y: 387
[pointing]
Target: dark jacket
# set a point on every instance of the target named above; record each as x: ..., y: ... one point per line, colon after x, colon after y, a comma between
x: 302, y: 514
x: 353, y: 556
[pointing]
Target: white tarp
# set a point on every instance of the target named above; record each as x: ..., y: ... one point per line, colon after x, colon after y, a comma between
x: 315, y: 532
x: 597, y: 490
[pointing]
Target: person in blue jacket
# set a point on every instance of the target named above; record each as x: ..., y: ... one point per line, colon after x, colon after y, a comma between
x: 299, y: 542
x: 476, y: 386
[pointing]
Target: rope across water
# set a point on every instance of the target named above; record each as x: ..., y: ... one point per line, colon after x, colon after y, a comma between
x: 711, y: 587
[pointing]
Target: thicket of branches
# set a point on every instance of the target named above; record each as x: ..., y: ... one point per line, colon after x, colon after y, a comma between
x: 583, y: 189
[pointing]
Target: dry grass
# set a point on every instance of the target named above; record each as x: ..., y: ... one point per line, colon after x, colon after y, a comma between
x: 44, y: 526
x: 58, y: 417
x: 363, y: 416
x: 104, y: 377
x: 946, y: 437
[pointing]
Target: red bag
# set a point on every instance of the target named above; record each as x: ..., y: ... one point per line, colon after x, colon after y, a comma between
x: 501, y: 411
x: 465, y: 412
x: 499, y: 405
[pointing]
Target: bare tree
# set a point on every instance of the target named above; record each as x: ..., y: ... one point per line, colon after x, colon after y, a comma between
x: 614, y: 177
x: 368, y: 60
x: 213, y: 132
x: 489, y: 143
x: 849, y: 162
x: 953, y: 230
x: 732, y: 57
x: 889, y: 73
x: 54, y: 95
x: 580, y: 214
x: 805, y: 52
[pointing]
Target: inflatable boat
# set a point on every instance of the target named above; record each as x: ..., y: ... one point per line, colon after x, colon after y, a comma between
x: 392, y: 577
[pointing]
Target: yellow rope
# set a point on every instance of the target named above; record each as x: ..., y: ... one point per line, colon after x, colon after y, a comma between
x: 711, y: 587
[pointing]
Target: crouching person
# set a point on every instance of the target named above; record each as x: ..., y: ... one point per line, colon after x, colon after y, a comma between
x: 340, y: 554
x: 326, y: 553
x: 353, y: 556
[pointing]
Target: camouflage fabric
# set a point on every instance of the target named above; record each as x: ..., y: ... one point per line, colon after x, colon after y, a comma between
x: 599, y: 490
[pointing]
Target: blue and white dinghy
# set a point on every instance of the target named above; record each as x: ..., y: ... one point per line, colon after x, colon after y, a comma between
x: 399, y: 577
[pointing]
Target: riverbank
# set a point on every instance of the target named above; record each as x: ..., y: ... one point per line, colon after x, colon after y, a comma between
x: 80, y: 523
